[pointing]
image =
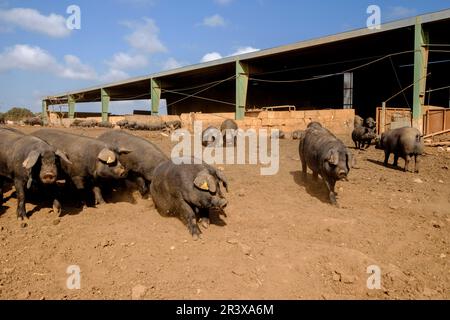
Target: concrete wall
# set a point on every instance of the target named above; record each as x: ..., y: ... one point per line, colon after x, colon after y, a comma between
x: 339, y: 121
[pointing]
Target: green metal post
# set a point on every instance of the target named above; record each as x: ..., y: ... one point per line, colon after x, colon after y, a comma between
x: 105, y: 105
x: 155, y: 95
x: 71, y: 102
x: 242, y: 75
x: 44, y: 112
x: 420, y: 72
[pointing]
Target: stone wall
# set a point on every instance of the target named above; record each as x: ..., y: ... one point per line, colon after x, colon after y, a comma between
x: 339, y: 121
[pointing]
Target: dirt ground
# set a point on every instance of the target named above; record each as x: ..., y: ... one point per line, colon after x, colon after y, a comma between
x: 281, y: 239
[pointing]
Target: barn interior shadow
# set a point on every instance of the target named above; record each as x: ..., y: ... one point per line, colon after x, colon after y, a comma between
x: 317, y: 189
x: 390, y: 166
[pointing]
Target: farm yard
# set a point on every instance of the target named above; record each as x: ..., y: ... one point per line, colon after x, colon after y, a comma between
x: 95, y: 206
x: 281, y: 238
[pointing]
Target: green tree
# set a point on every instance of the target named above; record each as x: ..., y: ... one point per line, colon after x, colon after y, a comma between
x: 17, y: 114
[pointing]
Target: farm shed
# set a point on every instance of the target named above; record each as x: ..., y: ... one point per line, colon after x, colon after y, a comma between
x: 404, y: 63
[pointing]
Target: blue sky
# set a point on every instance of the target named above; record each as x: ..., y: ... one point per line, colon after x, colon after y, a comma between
x: 124, y: 38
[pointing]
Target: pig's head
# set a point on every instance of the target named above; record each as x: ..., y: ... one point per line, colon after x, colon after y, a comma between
x: 108, y: 164
x: 369, y: 134
x: 370, y: 123
x: 210, y: 185
x: 210, y: 136
x: 314, y: 125
x: 379, y: 141
x: 229, y: 137
x: 43, y: 160
x: 338, y: 162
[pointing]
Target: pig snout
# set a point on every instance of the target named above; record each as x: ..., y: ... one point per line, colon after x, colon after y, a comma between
x: 342, y: 174
x: 48, y: 177
x: 219, y: 202
x: 120, y: 171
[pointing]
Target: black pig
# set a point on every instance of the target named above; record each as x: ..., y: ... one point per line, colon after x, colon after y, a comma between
x: 187, y: 190
x: 91, y: 159
x: 404, y: 143
x: 25, y: 158
x: 141, y: 161
x: 326, y: 155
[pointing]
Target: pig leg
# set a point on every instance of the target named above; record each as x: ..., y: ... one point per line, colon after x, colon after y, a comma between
x: 57, y: 207
x: 315, y: 176
x: 82, y: 195
x: 204, y: 218
x: 395, y: 160
x: 98, y: 195
x: 142, y: 186
x: 304, y: 169
x: 188, y: 215
x: 56, y: 204
x: 407, y: 161
x: 386, y: 157
x: 416, y: 163
x: 20, y: 190
x: 1, y: 191
x: 332, y: 195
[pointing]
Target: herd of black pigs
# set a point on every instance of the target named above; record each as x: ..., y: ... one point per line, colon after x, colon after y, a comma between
x: 189, y: 191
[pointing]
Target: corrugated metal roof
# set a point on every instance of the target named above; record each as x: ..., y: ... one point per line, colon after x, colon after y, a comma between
x: 404, y: 23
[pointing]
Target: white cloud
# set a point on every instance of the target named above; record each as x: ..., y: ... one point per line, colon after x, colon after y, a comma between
x: 75, y: 69
x: 216, y: 55
x: 398, y: 12
x: 211, y: 56
x: 114, y: 75
x: 223, y: 2
x: 214, y: 21
x: 28, y: 58
x: 124, y: 61
x: 25, y: 57
x: 52, y: 25
x: 243, y: 50
x: 171, y: 63
x: 145, y: 36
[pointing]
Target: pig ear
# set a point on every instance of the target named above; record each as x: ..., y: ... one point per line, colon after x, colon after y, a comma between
x: 222, y: 178
x: 107, y: 156
x: 204, y: 181
x: 123, y: 151
x: 31, y: 160
x: 63, y: 156
x: 333, y: 157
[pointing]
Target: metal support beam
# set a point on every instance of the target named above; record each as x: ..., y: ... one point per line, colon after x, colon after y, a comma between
x: 155, y: 86
x: 420, y: 72
x: 71, y: 103
x: 242, y: 75
x: 105, y: 105
x: 348, y: 90
x: 45, y: 112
